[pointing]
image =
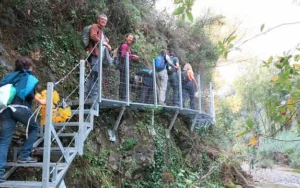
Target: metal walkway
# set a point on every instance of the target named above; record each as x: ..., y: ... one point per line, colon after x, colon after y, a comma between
x: 57, y: 154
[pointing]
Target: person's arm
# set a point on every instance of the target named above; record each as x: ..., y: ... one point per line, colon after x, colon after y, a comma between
x: 192, y: 78
x: 169, y: 61
x: 106, y: 45
x: 124, y: 49
x: 177, y: 63
x: 40, y: 101
x: 94, y: 33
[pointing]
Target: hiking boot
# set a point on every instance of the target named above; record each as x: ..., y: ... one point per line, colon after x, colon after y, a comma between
x: 27, y: 160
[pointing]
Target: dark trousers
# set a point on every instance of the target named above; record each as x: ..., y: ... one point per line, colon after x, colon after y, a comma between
x: 123, y: 84
x: 188, y: 89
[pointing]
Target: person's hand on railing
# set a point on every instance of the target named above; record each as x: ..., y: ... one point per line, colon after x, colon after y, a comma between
x: 106, y: 45
x: 135, y: 57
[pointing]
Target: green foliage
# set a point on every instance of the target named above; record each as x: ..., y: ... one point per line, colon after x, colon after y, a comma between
x: 184, y: 9
x: 128, y: 144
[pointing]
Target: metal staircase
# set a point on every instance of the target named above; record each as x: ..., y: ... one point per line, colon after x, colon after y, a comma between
x: 57, y: 155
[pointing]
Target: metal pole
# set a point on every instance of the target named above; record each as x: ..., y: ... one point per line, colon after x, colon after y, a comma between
x: 47, y: 136
x: 127, y: 79
x: 154, y: 85
x: 212, y: 111
x: 82, y: 125
x: 180, y: 88
x: 199, y: 93
x: 213, y: 102
x: 100, y: 68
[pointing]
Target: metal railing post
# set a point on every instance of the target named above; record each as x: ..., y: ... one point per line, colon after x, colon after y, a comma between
x: 82, y: 125
x: 47, y: 136
x: 127, y: 80
x: 199, y: 93
x: 180, y: 88
x: 212, y: 110
x: 212, y: 95
x: 100, y: 71
x: 154, y: 85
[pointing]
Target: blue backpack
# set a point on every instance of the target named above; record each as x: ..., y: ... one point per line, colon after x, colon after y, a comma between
x: 23, y: 81
x: 160, y: 63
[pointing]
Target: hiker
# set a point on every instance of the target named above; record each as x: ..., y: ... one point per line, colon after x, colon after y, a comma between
x: 188, y: 87
x: 18, y: 111
x: 145, y: 80
x: 123, y: 49
x: 96, y: 33
x: 251, y: 164
x: 161, y: 62
x: 173, y: 80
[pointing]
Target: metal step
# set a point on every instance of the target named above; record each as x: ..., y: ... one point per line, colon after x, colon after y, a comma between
x: 76, y: 112
x: 66, y: 124
x: 54, y: 151
x: 40, y: 165
x: 62, y: 134
x: 24, y: 184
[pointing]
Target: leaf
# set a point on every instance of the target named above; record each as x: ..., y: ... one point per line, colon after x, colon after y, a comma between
x: 179, y: 10
x: 297, y: 58
x: 253, y: 141
x: 231, y: 39
x: 249, y: 123
x: 177, y: 1
x: 270, y: 59
x: 278, y: 65
x: 243, y: 133
x: 190, y: 16
x: 295, y: 96
x: 262, y: 27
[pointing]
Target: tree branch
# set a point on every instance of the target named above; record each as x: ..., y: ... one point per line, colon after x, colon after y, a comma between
x: 284, y: 24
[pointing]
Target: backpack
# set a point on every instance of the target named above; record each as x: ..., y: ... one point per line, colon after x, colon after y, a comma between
x: 23, y: 81
x: 146, y: 72
x: 86, y: 35
x: 7, y: 94
x: 160, y: 63
x: 116, y: 56
x: 172, y: 69
x: 184, y: 76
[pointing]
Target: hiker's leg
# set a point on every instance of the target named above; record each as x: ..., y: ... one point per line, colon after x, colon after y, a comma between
x: 144, y: 94
x: 175, y: 89
x: 191, y: 90
x: 168, y: 91
x: 94, y: 86
x: 22, y: 115
x: 122, y: 86
x: 184, y: 95
x: 8, y: 125
x: 163, y: 76
x: 87, y: 87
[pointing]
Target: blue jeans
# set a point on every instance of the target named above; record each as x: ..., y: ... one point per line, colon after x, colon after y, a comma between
x: 9, y: 120
x: 91, y: 86
x: 188, y: 89
x: 173, y: 82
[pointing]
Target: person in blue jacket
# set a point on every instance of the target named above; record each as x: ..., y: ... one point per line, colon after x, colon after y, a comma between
x: 18, y: 111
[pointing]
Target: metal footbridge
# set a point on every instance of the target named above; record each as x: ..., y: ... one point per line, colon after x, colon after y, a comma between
x: 56, y: 155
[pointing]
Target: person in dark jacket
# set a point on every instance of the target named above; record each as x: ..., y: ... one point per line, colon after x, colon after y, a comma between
x: 18, y: 111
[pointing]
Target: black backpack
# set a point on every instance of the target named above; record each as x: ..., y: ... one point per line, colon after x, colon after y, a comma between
x: 117, y: 56
x: 184, y: 76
